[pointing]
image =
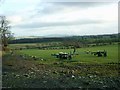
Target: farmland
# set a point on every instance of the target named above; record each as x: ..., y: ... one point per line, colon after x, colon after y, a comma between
x: 59, y: 45
x: 82, y: 57
x: 82, y: 71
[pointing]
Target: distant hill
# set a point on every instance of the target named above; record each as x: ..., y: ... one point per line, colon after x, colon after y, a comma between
x: 48, y: 36
x: 53, y: 38
x: 22, y: 37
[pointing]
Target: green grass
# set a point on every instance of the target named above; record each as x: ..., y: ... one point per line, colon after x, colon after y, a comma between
x: 31, y: 44
x: 82, y: 57
x: 44, y: 54
x: 21, y: 45
x: 112, y: 54
x: 42, y: 74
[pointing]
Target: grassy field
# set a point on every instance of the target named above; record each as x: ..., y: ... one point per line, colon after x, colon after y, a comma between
x: 18, y: 72
x: 13, y: 46
x: 82, y: 57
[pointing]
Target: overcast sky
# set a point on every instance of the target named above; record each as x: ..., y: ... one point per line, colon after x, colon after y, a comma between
x: 36, y: 18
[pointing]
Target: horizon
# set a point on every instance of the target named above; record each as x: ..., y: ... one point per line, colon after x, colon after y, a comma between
x: 60, y: 36
x: 36, y: 18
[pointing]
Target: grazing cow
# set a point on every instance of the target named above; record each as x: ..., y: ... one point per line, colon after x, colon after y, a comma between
x: 105, y: 53
x: 62, y: 55
x: 70, y: 57
x: 100, y: 53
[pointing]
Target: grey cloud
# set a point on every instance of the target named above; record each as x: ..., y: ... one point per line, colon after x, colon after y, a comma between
x: 80, y: 0
x: 80, y: 4
x: 52, y: 24
x: 48, y: 8
x: 54, y: 7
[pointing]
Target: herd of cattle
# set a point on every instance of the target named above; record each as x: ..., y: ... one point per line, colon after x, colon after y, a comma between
x: 64, y: 55
x: 97, y: 53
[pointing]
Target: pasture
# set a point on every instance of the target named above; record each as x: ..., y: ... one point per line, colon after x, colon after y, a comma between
x: 83, y: 70
x: 82, y: 57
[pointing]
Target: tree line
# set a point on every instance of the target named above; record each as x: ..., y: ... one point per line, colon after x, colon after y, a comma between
x: 77, y: 41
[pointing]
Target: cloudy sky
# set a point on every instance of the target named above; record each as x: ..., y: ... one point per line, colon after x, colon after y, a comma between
x: 38, y: 18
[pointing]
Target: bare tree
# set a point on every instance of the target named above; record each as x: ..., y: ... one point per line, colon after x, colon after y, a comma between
x: 5, y: 34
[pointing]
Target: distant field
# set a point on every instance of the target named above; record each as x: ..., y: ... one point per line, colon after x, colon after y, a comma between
x: 30, y: 44
x: 21, y: 45
x: 82, y: 57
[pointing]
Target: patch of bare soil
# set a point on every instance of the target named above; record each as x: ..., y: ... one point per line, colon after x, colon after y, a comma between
x: 20, y: 73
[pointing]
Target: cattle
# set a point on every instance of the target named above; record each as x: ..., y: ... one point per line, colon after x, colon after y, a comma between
x: 62, y: 55
x: 100, y: 53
